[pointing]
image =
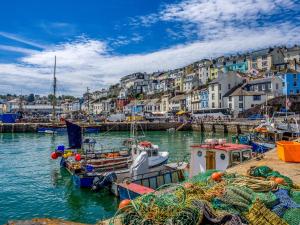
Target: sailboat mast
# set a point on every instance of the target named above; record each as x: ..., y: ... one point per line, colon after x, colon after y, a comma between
x: 89, y: 112
x: 54, y: 92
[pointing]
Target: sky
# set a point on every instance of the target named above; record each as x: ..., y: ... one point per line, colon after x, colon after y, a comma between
x: 97, y: 42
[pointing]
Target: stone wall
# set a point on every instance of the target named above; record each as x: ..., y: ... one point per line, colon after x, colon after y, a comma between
x: 218, y: 127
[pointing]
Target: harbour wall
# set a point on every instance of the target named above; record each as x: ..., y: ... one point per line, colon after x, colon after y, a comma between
x: 207, y: 126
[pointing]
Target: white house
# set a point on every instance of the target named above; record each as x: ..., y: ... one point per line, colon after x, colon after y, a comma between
x: 220, y: 86
x: 241, y: 100
x: 178, y: 103
x: 272, y: 86
x: 204, y: 70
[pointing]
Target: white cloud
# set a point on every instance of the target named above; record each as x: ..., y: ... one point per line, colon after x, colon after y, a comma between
x: 21, y: 40
x: 16, y: 49
x: 87, y: 62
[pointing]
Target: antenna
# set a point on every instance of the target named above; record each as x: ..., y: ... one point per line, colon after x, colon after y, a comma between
x: 54, y: 92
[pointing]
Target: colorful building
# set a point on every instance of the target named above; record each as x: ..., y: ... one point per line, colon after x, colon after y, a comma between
x: 290, y: 83
x: 203, y: 98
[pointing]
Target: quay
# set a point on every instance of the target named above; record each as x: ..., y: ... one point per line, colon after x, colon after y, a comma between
x: 204, y: 126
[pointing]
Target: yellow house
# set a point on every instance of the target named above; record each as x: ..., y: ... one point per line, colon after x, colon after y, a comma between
x: 213, y: 73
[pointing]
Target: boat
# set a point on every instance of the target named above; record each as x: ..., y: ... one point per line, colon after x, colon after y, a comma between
x: 132, y: 187
x: 217, y: 155
x: 138, y: 144
x: 98, y: 169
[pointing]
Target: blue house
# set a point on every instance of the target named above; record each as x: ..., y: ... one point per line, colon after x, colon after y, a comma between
x: 291, y: 83
x: 203, y: 98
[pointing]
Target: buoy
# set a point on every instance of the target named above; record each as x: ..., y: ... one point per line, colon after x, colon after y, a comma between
x: 77, y: 157
x: 216, y: 176
x: 279, y: 180
x: 65, y: 155
x: 124, y: 203
x: 187, y: 185
x: 69, y: 154
x: 54, y: 155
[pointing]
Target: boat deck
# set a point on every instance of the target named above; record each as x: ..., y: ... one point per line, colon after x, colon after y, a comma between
x: 271, y: 160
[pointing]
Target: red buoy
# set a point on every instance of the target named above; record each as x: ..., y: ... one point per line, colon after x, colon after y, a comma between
x: 54, y: 155
x: 77, y: 157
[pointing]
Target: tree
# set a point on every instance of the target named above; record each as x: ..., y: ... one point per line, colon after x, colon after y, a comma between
x: 30, y: 98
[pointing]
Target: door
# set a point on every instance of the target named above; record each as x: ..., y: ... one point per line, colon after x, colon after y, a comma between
x: 210, y: 160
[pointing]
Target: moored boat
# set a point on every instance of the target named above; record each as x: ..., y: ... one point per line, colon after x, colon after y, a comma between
x: 217, y: 155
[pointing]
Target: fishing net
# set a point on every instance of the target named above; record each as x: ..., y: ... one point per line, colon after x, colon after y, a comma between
x: 285, y: 202
x: 259, y: 214
x: 292, y: 216
x: 295, y: 195
x: 268, y: 198
x: 202, y: 177
x: 267, y: 172
x: 235, y: 199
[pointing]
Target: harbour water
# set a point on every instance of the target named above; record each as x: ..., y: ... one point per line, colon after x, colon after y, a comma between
x: 33, y: 185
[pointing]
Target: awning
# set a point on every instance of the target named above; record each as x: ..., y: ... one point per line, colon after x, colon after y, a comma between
x: 180, y: 112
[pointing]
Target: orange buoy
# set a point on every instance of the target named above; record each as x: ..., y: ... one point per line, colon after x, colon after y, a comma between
x: 187, y: 185
x: 216, y: 176
x: 279, y: 180
x: 124, y: 203
x: 54, y: 155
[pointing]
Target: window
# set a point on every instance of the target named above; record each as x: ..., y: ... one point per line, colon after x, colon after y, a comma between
x: 213, y: 105
x: 256, y: 97
x: 264, y: 64
x: 291, y: 92
x: 264, y: 57
x: 283, y: 84
x: 230, y: 105
x: 241, y: 105
x: 230, y: 98
x: 228, y: 86
x: 297, y: 91
x: 219, y: 86
x: 235, y: 158
x: 260, y: 87
x: 220, y: 105
x: 295, y: 76
x: 220, y: 96
x: 213, y: 87
x: 295, y: 83
x: 222, y: 156
x: 212, y: 96
x: 240, y: 98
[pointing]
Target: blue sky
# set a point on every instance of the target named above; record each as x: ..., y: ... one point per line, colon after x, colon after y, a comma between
x: 97, y: 42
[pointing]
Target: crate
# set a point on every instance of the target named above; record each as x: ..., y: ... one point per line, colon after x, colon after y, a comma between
x: 288, y: 151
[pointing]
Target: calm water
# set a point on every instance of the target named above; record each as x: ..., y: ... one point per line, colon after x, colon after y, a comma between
x: 33, y: 185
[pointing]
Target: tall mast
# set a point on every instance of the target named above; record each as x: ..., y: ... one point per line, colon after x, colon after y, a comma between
x: 54, y: 92
x: 89, y: 112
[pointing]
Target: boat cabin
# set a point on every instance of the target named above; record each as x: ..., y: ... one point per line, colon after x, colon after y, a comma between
x: 217, y: 155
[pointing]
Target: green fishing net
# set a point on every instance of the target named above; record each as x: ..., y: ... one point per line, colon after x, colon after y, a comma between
x: 266, y: 172
x: 292, y: 216
x: 295, y: 195
x: 268, y: 198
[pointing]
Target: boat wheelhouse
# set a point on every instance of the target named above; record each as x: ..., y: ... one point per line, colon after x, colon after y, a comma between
x: 217, y: 154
